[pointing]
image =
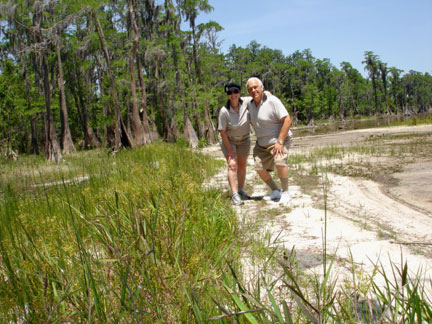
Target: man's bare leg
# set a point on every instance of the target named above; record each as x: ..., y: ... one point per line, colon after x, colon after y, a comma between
x: 283, y: 176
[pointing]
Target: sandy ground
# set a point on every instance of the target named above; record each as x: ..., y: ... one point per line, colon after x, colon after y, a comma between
x: 370, y: 225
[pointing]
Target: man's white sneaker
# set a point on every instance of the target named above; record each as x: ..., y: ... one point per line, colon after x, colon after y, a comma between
x: 285, y: 197
x: 275, y: 195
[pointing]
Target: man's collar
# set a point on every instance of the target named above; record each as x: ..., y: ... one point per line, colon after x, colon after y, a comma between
x: 264, y: 98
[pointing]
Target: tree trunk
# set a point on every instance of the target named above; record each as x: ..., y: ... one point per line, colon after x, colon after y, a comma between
x: 190, y: 134
x: 145, y: 120
x: 153, y: 127
x: 341, y: 108
x: 102, y: 95
x: 356, y: 112
x: 210, y: 131
x: 308, y: 112
x: 340, y: 97
x: 66, y: 137
x: 201, y: 126
x: 374, y: 87
x: 195, y: 51
x: 34, y: 146
x: 154, y: 133
x: 383, y: 69
x: 169, y: 135
x: 116, y: 131
x: 52, y: 147
x: 174, y: 128
x: 90, y: 138
x: 167, y: 131
x: 405, y: 108
x: 137, y: 126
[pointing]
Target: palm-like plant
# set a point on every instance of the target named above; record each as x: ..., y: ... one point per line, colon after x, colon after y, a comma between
x: 371, y: 61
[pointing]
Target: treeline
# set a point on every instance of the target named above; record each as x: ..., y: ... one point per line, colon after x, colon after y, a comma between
x: 91, y: 73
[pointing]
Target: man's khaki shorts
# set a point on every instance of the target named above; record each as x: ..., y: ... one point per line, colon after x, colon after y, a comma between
x: 265, y: 160
x: 241, y: 145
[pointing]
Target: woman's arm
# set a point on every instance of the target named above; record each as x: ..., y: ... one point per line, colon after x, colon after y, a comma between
x: 227, y: 144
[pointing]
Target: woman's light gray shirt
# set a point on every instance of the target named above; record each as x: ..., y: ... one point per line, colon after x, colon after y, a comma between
x: 234, y: 123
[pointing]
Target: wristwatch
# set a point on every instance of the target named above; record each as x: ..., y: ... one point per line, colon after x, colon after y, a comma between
x: 280, y: 142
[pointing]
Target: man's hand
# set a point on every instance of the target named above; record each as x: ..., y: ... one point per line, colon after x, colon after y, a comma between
x: 286, y: 124
x: 278, y: 149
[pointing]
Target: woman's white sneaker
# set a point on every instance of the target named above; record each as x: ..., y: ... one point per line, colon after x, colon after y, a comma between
x: 236, y: 199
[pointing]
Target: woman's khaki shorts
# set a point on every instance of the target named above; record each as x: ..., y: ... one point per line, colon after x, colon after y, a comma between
x: 241, y: 145
x: 265, y: 160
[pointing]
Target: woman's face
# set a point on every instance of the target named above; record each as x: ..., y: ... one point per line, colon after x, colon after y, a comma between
x: 233, y: 94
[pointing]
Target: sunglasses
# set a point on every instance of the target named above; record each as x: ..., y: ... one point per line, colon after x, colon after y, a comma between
x: 232, y: 91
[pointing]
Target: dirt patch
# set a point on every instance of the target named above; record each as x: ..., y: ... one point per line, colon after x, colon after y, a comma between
x: 355, y: 136
x: 380, y: 220
x: 414, y: 186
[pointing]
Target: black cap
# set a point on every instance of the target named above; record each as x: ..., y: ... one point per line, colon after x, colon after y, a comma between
x: 232, y: 85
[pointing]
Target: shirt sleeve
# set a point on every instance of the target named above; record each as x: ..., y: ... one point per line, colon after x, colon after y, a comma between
x: 223, y: 119
x: 280, y: 110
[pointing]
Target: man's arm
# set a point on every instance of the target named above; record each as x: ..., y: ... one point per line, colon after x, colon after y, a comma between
x: 286, y: 125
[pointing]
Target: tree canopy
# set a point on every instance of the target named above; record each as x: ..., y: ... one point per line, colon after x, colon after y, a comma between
x: 126, y: 72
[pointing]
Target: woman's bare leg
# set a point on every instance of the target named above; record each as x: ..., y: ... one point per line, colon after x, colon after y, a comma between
x: 232, y: 174
x: 241, y: 171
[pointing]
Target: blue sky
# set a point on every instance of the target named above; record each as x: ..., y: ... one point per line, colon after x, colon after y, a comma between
x: 398, y: 31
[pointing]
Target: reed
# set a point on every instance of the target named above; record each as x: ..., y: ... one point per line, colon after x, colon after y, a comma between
x: 138, y: 240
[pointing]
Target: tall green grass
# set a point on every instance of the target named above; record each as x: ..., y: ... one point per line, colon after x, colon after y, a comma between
x: 140, y: 241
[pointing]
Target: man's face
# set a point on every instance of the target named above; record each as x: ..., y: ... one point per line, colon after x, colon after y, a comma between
x: 255, y: 90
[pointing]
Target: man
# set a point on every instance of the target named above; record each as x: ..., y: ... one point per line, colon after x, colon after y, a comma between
x: 272, y: 124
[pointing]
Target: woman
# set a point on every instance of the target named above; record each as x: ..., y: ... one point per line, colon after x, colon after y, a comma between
x: 234, y: 127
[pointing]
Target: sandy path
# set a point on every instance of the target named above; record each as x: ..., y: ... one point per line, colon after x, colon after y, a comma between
x: 375, y: 224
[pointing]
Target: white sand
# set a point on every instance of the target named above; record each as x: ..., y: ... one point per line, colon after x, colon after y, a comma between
x: 376, y: 225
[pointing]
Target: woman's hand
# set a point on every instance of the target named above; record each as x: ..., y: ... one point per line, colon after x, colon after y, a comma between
x: 231, y: 154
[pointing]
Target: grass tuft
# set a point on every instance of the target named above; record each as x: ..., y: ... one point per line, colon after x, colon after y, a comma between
x: 139, y: 240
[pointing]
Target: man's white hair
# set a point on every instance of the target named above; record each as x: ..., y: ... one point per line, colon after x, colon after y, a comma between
x: 255, y: 79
